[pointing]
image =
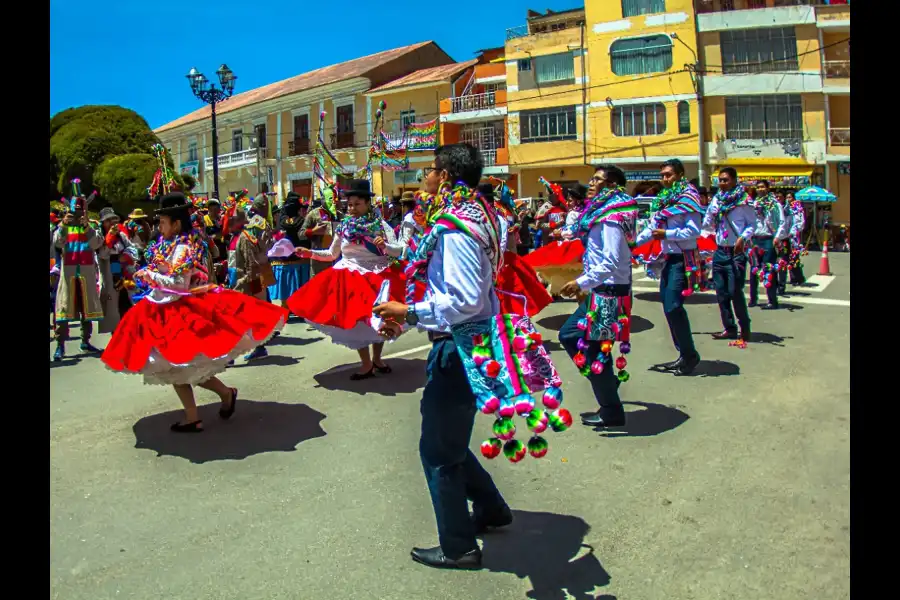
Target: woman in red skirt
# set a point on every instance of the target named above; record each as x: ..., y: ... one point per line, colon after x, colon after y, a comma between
x: 185, y: 331
x: 338, y: 301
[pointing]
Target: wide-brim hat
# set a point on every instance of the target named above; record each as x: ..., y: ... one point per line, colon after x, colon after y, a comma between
x: 579, y: 190
x: 214, y: 202
x: 108, y: 213
x: 137, y: 214
x: 173, y: 204
x: 258, y: 222
x: 408, y: 197
x: 358, y: 187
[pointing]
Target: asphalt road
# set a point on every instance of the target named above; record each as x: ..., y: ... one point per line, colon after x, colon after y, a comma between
x: 733, y: 483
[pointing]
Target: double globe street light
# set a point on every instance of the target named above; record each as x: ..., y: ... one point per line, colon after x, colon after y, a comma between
x: 212, y: 95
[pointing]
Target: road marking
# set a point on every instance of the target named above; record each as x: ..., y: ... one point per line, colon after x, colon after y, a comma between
x: 789, y: 299
x: 820, y: 281
x: 355, y: 366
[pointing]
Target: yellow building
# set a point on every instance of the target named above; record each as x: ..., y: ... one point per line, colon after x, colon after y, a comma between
x: 275, y: 126
x: 776, y: 92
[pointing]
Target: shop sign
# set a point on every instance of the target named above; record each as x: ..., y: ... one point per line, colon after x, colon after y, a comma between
x: 191, y: 167
x: 642, y: 175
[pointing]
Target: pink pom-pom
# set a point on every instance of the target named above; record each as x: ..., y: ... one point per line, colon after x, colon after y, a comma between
x: 490, y: 405
x: 596, y: 367
x: 480, y: 359
x: 520, y: 344
x: 687, y: 292
x: 507, y: 409
x: 579, y: 360
x: 621, y: 363
x: 322, y: 115
x: 524, y: 405
x: 491, y: 368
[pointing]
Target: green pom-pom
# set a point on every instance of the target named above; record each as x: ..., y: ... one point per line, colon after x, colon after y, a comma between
x: 504, y: 428
x: 514, y: 450
x: 624, y: 375
x: 538, y: 446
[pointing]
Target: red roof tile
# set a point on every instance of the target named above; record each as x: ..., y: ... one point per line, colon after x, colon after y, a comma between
x: 324, y: 76
x: 432, y: 75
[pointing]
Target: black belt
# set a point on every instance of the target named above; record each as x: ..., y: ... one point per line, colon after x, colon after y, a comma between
x: 616, y: 290
x: 437, y: 336
x: 679, y: 257
x: 726, y: 249
x: 763, y: 237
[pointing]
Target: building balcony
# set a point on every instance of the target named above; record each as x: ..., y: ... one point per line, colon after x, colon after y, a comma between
x: 299, y: 147
x: 836, y: 69
x: 490, y: 73
x: 396, y: 139
x: 474, y: 107
x: 235, y: 159
x: 721, y: 15
x: 839, y: 136
x: 343, y: 140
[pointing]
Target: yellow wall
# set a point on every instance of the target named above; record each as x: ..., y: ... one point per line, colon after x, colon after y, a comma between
x: 603, y: 144
x: 530, y: 186
x: 839, y: 107
x: 813, y: 117
x: 840, y: 187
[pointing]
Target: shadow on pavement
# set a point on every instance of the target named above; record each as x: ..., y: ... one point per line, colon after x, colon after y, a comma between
x: 283, y: 340
x: 692, y: 299
x: 255, y: 428
x: 638, y: 324
x: 706, y: 368
x: 549, y: 550
x: 407, y: 376
x: 653, y: 420
x: 66, y: 362
x: 272, y: 359
x: 757, y: 337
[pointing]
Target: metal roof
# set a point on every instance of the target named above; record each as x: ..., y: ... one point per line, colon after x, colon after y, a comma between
x: 431, y: 75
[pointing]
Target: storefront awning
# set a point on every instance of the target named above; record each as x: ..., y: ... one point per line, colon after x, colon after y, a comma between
x: 781, y: 176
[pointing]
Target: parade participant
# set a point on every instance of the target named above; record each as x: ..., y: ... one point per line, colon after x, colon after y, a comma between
x: 798, y: 250
x: 783, y: 247
x: 318, y: 228
x: 116, y: 258
x: 526, y: 232
x: 607, y: 228
x: 185, y: 331
x: 290, y: 272
x: 212, y: 223
x: 575, y: 197
x: 138, y: 228
x: 676, y: 225
x: 252, y: 269
x: 236, y: 224
x: 461, y: 265
x: 338, y: 302
x: 521, y: 292
x: 770, y: 226
x: 413, y: 225
x: 731, y: 218
x: 559, y: 259
x: 77, y: 295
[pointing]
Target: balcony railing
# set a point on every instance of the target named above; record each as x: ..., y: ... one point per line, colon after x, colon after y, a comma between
x: 516, y: 32
x: 708, y: 6
x: 343, y: 140
x: 396, y: 139
x: 836, y: 69
x: 234, y: 159
x: 474, y: 102
x: 298, y: 147
x: 839, y: 136
x: 489, y: 157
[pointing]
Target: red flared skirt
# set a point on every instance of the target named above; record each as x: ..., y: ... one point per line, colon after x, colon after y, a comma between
x: 192, y: 329
x: 648, y: 251
x: 342, y: 297
x: 555, y: 254
x: 524, y: 293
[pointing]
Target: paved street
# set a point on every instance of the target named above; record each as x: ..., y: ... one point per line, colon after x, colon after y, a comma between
x: 733, y: 483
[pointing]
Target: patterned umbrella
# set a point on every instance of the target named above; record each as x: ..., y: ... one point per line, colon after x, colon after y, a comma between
x: 815, y: 194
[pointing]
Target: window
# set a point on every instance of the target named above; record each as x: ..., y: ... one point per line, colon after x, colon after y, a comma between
x: 494, y: 87
x: 548, y: 125
x: 524, y: 64
x: 637, y: 56
x: 344, y: 134
x: 684, y: 117
x: 407, y: 118
x: 237, y: 140
x: 764, y: 117
x: 301, y: 135
x: 633, y: 8
x: 260, y: 132
x: 759, y: 50
x: 554, y: 69
x: 192, y: 151
x: 639, y: 119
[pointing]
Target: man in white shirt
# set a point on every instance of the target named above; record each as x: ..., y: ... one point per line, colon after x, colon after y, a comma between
x: 770, y: 229
x: 732, y: 219
x: 607, y: 272
x: 460, y: 290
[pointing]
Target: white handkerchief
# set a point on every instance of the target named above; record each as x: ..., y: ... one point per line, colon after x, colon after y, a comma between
x: 281, y: 249
x: 384, y: 294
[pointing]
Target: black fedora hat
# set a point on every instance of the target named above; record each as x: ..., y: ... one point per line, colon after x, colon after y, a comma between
x: 173, y: 204
x: 486, y: 190
x: 358, y: 187
x: 578, y: 190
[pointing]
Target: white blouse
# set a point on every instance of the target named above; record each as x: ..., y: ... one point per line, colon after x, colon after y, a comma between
x: 357, y: 257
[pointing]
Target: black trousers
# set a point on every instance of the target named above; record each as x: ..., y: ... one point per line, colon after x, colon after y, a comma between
x: 671, y: 284
x: 452, y: 472
x: 729, y: 275
x: 764, y: 248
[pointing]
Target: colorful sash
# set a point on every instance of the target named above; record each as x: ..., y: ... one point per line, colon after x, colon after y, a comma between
x: 362, y: 230
x: 612, y: 205
x: 76, y: 251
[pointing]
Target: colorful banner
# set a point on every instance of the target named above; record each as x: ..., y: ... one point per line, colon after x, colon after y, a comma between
x: 422, y: 136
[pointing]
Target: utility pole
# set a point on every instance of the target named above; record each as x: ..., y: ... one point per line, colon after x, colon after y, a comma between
x: 258, y: 169
x: 695, y: 71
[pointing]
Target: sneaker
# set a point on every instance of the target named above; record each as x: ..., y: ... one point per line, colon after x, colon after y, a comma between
x: 258, y: 352
x: 87, y: 347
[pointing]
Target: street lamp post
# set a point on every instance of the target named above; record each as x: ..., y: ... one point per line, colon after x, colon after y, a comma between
x: 213, y: 95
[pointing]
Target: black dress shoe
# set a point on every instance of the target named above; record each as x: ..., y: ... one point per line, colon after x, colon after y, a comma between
x: 492, y: 520
x: 598, y: 421
x: 670, y: 366
x: 770, y: 306
x: 745, y: 334
x: 725, y: 335
x: 688, y: 366
x: 434, y: 557
x: 753, y: 304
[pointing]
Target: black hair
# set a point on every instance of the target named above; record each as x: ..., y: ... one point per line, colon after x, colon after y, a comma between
x: 703, y: 190
x: 613, y: 174
x: 730, y: 171
x: 462, y: 162
x: 676, y: 165
x: 764, y: 182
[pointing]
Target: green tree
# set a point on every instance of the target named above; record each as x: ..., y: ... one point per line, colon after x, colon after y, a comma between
x: 189, y: 182
x: 83, y: 138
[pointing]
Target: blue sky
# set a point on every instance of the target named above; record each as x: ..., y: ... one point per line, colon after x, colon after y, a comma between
x: 136, y: 54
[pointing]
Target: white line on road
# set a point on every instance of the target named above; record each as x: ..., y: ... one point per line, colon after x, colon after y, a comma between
x: 815, y: 283
x: 789, y: 299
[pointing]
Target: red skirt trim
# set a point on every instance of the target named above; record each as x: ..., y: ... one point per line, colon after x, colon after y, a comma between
x: 342, y: 297
x: 555, y: 254
x: 517, y: 277
x: 210, y: 324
